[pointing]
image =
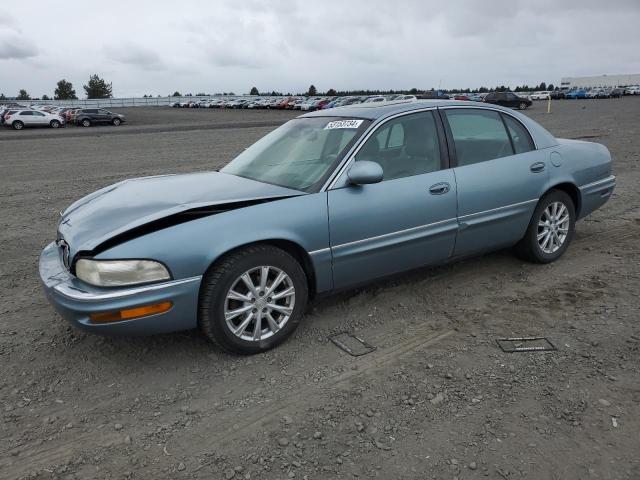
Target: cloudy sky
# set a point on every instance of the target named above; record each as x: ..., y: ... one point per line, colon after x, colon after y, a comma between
x: 157, y: 46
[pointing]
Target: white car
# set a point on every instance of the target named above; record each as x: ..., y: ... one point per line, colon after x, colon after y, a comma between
x: 632, y: 90
x: 32, y: 118
x: 544, y: 95
x: 405, y: 97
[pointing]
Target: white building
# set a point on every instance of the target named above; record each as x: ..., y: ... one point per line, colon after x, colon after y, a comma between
x: 600, y: 81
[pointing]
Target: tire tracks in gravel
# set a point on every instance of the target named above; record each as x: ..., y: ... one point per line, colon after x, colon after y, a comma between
x: 394, y: 344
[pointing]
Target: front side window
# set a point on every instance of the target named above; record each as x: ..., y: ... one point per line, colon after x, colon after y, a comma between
x: 300, y: 154
x: 478, y: 135
x: 405, y: 146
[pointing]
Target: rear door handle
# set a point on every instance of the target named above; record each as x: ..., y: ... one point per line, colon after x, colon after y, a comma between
x: 537, y: 167
x: 439, y: 188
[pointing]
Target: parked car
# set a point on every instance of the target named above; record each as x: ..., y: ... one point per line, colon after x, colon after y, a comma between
x: 632, y: 90
x: 508, y: 99
x: 405, y: 97
x: 6, y: 112
x: 543, y: 95
x: 92, y: 116
x: 616, y: 92
x: 19, y: 119
x: 557, y: 94
x: 598, y: 93
x: 576, y: 94
x: 239, y: 252
x: 375, y: 99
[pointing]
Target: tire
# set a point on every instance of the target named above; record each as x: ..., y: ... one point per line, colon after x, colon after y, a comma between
x: 85, y: 122
x: 17, y: 125
x: 522, y: 106
x: 54, y: 124
x: 532, y: 249
x: 226, y: 276
x: 116, y: 122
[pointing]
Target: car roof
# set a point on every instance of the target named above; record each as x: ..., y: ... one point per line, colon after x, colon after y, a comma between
x: 378, y: 110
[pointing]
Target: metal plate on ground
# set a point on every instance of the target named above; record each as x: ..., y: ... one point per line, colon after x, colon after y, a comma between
x: 351, y: 344
x: 525, y: 344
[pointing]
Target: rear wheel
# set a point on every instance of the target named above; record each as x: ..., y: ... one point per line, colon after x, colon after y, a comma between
x: 17, y: 125
x: 54, y: 124
x: 85, y: 122
x: 252, y: 299
x: 550, y: 230
x: 522, y: 106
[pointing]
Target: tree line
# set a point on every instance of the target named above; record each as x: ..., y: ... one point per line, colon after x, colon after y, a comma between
x: 313, y: 91
x: 96, y: 87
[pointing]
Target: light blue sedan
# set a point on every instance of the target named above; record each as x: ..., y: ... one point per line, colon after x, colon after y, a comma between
x: 328, y: 201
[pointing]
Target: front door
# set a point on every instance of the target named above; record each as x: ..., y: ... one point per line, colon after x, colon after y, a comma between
x: 500, y: 177
x: 405, y: 221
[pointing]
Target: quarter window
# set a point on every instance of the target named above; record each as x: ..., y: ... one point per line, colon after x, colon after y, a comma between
x: 522, y: 141
x: 405, y: 146
x: 478, y: 135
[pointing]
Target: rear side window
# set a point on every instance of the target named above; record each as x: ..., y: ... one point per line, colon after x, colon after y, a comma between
x: 478, y: 135
x: 23, y: 114
x: 522, y: 141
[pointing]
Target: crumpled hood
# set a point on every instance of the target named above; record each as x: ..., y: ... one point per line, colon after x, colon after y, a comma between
x: 126, y: 205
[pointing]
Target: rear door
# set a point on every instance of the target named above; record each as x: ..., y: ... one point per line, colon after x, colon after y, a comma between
x: 500, y: 176
x: 405, y: 221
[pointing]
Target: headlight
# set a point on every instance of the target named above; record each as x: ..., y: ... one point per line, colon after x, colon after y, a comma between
x: 116, y: 273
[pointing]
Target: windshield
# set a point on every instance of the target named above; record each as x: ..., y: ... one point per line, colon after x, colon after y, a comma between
x: 300, y: 154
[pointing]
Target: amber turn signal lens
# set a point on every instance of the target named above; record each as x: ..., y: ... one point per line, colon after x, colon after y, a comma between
x: 130, y: 313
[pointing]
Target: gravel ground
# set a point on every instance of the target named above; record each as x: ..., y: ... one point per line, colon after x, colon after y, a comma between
x: 437, y: 399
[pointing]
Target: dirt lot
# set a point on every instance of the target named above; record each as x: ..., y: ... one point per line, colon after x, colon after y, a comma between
x: 437, y: 399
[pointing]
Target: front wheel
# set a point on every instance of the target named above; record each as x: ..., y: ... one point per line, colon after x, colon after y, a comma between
x: 522, y: 106
x: 116, y: 122
x: 86, y: 122
x: 252, y: 299
x: 54, y: 124
x: 550, y: 230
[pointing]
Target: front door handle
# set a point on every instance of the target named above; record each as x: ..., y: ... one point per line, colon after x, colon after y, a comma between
x: 537, y: 167
x: 439, y: 188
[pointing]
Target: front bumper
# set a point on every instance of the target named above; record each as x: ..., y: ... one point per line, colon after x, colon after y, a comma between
x: 75, y: 300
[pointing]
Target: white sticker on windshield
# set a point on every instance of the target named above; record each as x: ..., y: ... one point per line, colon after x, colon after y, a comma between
x: 343, y: 124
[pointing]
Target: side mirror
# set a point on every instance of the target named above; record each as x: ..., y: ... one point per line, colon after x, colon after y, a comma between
x: 365, y: 172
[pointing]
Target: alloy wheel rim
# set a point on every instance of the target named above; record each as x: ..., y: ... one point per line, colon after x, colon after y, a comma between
x: 259, y: 303
x: 553, y: 227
